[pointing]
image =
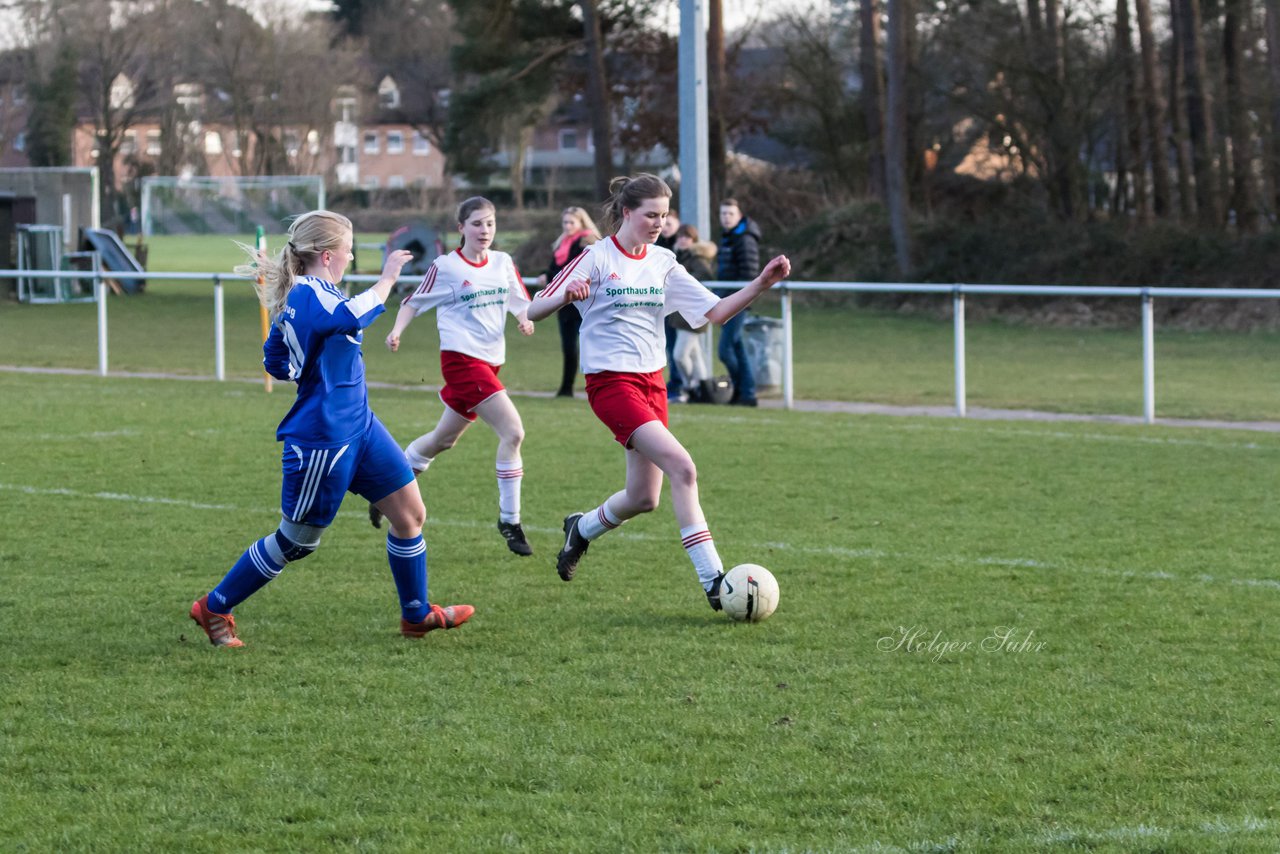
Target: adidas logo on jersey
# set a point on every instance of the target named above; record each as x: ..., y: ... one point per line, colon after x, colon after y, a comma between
x: 613, y: 276
x: 466, y: 283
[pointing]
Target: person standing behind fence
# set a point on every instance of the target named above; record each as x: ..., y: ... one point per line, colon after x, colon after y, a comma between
x: 697, y: 257
x: 623, y: 287
x: 333, y: 443
x: 675, y: 378
x: 472, y: 289
x: 739, y: 262
x: 578, y: 232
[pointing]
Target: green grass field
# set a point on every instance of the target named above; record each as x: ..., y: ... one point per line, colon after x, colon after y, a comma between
x: 993, y: 636
x: 1127, y: 704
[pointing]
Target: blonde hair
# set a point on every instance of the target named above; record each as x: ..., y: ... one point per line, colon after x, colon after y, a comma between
x: 631, y: 193
x: 310, y: 234
x: 585, y: 223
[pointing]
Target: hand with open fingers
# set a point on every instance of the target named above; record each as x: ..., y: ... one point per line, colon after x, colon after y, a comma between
x: 395, y: 263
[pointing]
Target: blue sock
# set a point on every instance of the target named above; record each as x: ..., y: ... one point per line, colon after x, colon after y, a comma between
x: 251, y: 572
x: 408, y: 559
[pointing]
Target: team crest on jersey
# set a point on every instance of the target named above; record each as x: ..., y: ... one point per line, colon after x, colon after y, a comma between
x: 613, y: 276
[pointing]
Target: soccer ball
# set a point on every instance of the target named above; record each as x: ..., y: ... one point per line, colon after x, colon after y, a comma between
x: 749, y: 593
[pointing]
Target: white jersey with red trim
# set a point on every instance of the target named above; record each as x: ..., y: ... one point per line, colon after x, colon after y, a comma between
x: 622, y: 327
x: 471, y: 302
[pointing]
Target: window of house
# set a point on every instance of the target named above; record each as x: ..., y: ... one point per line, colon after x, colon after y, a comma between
x: 568, y: 139
x: 346, y: 108
x: 153, y: 143
x: 421, y: 145
x: 395, y: 142
x: 388, y: 94
x: 129, y: 145
x: 396, y: 182
x: 371, y: 182
x: 371, y: 142
x: 346, y: 154
x: 20, y: 142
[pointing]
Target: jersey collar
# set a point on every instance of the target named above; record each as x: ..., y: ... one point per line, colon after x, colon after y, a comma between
x: 644, y: 249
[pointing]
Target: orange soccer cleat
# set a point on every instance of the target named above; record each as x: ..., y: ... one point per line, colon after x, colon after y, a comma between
x: 221, y: 628
x: 449, y: 617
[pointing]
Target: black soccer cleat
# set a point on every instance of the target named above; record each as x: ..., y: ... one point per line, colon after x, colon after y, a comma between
x: 575, y: 546
x: 375, y: 516
x: 514, y: 535
x: 713, y: 595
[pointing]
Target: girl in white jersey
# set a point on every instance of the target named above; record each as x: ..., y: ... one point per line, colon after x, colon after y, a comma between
x: 472, y: 289
x: 623, y: 287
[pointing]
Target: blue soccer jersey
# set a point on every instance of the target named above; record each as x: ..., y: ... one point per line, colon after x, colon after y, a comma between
x: 315, y: 342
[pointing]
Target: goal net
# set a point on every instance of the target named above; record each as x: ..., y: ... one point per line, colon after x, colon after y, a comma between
x: 227, y: 205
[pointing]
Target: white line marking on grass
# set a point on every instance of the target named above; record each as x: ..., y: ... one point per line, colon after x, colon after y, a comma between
x: 826, y: 551
x: 116, y: 496
x: 80, y: 437
x: 1146, y: 833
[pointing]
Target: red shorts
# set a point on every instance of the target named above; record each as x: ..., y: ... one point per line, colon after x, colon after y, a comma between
x: 468, y: 382
x: 624, y: 401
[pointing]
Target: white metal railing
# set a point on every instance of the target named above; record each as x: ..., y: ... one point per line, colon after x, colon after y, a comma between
x: 958, y: 292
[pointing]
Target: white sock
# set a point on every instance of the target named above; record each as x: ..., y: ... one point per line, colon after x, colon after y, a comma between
x: 510, y: 474
x: 416, y: 460
x: 701, y: 549
x: 596, y: 522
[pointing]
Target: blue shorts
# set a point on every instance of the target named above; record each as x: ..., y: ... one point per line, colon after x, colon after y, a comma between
x: 317, y: 479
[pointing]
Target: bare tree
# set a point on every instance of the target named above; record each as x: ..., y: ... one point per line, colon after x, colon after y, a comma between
x: 1273, y: 100
x: 1153, y: 106
x: 895, y: 146
x: 873, y: 106
x: 1199, y: 112
x: 598, y: 97
x: 1131, y: 148
x: 1177, y: 116
x: 716, y: 98
x: 1244, y: 199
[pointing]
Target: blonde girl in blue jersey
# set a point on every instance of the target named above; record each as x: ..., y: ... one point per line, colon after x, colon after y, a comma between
x: 333, y: 443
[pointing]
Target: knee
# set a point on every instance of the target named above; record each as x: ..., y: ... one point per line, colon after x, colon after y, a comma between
x: 645, y: 500
x: 513, y: 437
x: 408, y: 521
x: 293, y: 541
x: 683, y: 474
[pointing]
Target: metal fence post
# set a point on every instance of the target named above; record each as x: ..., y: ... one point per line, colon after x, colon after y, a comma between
x: 1148, y: 358
x: 100, y: 294
x: 957, y: 302
x: 219, y: 331
x: 788, y: 379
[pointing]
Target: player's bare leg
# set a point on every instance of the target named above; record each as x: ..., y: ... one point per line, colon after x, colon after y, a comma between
x: 500, y: 414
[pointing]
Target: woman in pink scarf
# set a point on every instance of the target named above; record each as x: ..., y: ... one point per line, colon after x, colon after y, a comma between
x: 578, y: 232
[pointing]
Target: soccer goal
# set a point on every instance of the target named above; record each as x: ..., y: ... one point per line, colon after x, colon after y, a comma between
x: 227, y: 205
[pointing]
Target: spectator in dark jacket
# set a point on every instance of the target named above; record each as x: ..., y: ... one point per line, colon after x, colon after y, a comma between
x: 739, y: 262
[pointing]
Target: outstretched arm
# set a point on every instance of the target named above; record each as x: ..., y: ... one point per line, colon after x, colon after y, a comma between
x: 777, y: 270
x: 404, y: 317
x: 561, y: 294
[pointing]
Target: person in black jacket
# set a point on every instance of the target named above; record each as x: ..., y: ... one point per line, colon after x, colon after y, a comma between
x: 739, y: 262
x: 578, y: 231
